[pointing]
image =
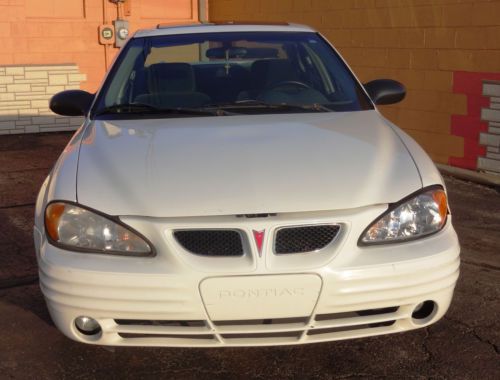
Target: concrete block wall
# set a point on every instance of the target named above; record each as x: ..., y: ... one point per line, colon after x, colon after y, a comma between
x: 53, y: 33
x: 62, y: 31
x: 25, y: 92
x: 422, y: 43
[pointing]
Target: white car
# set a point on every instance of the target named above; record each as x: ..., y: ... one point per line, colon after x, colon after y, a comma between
x: 235, y: 185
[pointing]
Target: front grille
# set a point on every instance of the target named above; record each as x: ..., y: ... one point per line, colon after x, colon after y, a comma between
x: 148, y: 322
x: 211, y: 242
x: 306, y: 329
x: 301, y: 239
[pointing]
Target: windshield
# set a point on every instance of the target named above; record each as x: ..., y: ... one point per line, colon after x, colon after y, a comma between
x: 229, y: 73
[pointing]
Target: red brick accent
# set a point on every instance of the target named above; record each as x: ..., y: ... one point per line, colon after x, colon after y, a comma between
x: 469, y: 126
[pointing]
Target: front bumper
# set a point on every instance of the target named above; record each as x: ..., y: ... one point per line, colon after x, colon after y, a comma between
x: 139, y: 302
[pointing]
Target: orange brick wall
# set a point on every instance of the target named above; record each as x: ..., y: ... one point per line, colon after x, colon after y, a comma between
x: 66, y: 31
x: 422, y: 43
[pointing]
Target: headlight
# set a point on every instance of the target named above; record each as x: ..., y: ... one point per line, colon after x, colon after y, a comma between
x: 412, y: 218
x: 76, y: 228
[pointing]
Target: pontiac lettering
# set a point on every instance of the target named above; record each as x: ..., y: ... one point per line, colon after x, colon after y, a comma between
x: 260, y: 293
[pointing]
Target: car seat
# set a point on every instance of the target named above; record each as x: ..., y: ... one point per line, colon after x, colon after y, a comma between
x: 172, y: 85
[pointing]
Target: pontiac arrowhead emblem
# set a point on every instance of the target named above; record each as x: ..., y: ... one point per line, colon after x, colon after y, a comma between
x: 259, y: 240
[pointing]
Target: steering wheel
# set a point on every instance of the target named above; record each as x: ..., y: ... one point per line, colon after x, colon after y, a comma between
x: 286, y: 83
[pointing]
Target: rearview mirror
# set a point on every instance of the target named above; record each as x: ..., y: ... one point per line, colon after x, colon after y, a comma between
x: 71, y: 103
x: 385, y: 91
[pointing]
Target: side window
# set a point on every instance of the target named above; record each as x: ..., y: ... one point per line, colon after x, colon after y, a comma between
x: 314, y: 72
x: 124, y: 76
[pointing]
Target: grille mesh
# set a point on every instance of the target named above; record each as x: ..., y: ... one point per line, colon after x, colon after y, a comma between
x: 304, y: 239
x: 211, y: 242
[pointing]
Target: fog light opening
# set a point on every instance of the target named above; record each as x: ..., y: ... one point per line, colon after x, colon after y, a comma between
x: 423, y: 311
x: 87, y: 326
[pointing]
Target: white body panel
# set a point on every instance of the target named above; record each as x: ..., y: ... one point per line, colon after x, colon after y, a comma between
x: 213, y: 28
x: 260, y: 297
x: 169, y: 286
x: 427, y: 170
x: 160, y: 176
x: 244, y: 165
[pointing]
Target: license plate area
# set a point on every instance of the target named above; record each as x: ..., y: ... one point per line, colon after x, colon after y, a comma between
x: 260, y: 297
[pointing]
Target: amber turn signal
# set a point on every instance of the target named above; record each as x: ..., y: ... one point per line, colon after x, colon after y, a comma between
x: 439, y: 197
x: 53, y: 213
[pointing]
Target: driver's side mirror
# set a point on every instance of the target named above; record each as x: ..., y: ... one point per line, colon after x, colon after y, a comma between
x: 385, y: 91
x: 71, y: 103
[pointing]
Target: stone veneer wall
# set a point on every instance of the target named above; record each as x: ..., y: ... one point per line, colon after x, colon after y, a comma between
x: 25, y: 92
x: 491, y: 137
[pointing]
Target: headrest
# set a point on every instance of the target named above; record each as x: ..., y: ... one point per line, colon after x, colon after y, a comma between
x: 171, y: 77
x: 269, y: 71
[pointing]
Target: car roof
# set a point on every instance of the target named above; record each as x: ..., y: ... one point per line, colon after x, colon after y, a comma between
x: 165, y: 30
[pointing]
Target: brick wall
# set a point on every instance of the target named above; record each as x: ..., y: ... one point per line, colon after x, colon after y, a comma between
x: 24, y: 97
x: 422, y: 43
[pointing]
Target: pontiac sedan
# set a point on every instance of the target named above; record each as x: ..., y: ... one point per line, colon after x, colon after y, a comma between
x: 235, y: 185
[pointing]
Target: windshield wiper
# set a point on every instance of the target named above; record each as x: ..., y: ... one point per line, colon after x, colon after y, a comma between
x: 143, y: 108
x: 252, y: 103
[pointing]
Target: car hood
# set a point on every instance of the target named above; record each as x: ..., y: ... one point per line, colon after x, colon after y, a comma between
x: 200, y: 166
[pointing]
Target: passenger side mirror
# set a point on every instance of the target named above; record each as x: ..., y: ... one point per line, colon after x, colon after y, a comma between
x: 385, y: 91
x: 71, y: 103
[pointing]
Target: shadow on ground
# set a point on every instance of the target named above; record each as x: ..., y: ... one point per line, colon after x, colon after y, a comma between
x: 25, y: 161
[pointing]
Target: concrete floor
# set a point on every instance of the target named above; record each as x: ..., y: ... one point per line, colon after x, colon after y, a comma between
x: 465, y: 344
